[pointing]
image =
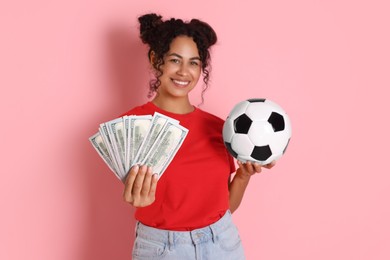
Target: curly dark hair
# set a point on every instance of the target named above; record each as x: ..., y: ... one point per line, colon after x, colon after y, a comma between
x: 158, y: 34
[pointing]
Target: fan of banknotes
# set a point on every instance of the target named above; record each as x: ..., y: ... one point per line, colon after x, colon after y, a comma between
x: 145, y: 140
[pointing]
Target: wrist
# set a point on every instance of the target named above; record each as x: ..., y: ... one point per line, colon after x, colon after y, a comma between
x: 242, y: 177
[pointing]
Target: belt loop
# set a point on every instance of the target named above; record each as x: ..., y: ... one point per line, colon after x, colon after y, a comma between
x: 214, y: 235
x: 170, y: 240
x: 136, y: 229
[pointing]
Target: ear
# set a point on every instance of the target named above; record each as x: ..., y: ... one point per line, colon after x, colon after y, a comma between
x: 152, y: 58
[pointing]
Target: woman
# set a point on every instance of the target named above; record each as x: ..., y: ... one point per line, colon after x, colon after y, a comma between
x: 187, y: 213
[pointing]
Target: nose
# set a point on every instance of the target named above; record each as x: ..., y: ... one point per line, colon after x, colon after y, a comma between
x: 182, y: 70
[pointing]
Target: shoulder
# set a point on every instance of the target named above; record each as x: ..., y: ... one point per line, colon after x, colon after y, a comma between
x: 211, y: 118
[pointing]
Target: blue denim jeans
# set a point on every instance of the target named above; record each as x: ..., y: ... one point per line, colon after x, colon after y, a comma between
x: 218, y: 241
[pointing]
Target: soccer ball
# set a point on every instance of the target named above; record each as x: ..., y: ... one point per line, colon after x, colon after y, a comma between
x: 257, y: 130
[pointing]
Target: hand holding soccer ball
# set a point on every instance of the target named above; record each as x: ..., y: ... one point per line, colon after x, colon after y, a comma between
x: 257, y: 130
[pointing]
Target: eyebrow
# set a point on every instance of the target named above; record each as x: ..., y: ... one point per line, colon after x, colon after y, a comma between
x: 179, y: 56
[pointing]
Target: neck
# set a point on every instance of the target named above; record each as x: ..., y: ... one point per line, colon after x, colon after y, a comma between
x: 174, y: 105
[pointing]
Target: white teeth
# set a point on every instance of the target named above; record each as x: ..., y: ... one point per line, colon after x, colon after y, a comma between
x: 183, y: 83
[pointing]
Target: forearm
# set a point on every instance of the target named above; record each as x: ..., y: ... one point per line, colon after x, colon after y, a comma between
x: 237, y: 189
x: 240, y: 181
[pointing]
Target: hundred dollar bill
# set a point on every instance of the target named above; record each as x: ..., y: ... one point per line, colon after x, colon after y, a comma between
x: 103, y: 129
x: 165, y: 147
x: 137, y: 128
x: 117, y: 136
x: 99, y: 145
x: 157, y: 124
x: 126, y: 138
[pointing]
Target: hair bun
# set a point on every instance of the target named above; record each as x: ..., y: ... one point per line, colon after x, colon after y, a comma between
x: 148, y: 25
x: 206, y: 30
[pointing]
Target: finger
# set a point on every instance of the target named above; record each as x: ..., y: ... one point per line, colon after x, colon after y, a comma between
x: 239, y: 163
x: 147, y: 182
x: 242, y: 165
x: 129, y: 183
x: 139, y: 180
x: 270, y: 165
x: 153, y: 186
x: 249, y: 167
x: 257, y: 167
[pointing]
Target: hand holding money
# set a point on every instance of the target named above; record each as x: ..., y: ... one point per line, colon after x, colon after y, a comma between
x: 138, y: 140
x: 140, y: 186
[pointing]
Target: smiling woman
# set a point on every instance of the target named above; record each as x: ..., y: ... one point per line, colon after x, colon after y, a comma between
x: 187, y: 214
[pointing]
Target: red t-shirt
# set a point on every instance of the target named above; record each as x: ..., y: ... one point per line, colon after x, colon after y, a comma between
x: 193, y: 191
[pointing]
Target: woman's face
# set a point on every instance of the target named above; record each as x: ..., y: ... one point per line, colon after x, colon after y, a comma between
x: 181, y: 69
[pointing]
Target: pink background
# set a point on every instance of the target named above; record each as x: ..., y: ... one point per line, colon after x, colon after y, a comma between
x: 68, y: 66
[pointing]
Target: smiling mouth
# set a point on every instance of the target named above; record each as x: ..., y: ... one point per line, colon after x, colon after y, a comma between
x: 181, y: 83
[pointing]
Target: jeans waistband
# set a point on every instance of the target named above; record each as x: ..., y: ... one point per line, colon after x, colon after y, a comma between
x: 195, y: 236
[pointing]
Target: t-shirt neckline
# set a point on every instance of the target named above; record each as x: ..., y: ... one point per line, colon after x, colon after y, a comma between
x: 171, y: 114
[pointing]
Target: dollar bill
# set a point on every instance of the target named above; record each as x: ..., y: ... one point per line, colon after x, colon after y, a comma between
x: 137, y: 129
x: 99, y: 145
x: 126, y: 139
x: 103, y: 129
x: 165, y: 147
x: 157, y: 124
x: 116, y: 132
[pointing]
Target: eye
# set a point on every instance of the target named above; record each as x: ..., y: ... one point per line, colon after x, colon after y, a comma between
x: 194, y: 63
x: 177, y: 61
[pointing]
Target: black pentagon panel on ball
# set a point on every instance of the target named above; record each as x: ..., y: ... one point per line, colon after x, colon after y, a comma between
x: 254, y: 100
x: 261, y: 153
x: 230, y: 149
x: 277, y: 121
x: 242, y: 124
